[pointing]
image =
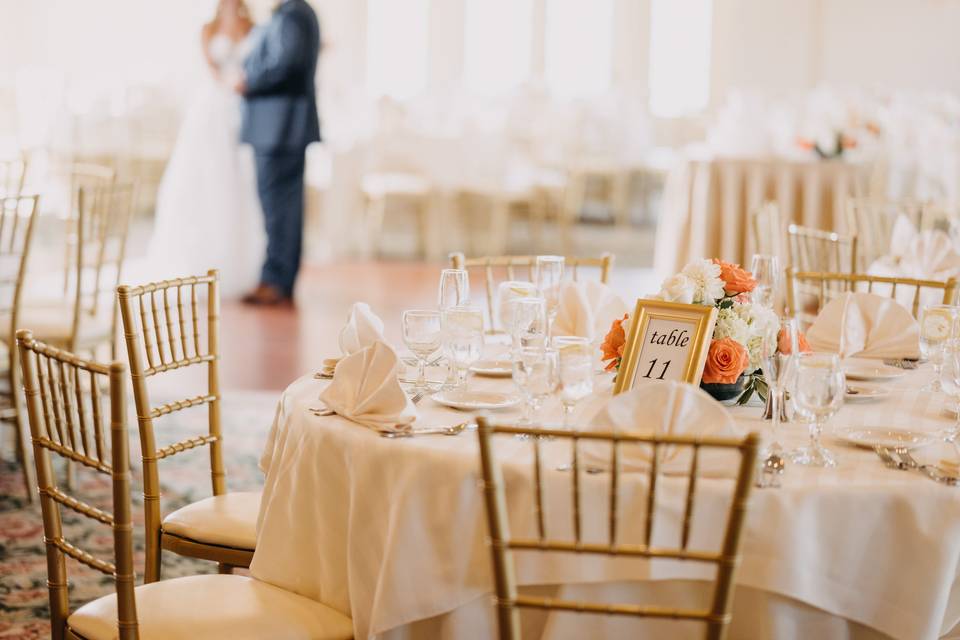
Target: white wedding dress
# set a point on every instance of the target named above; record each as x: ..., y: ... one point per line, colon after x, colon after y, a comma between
x: 208, y: 213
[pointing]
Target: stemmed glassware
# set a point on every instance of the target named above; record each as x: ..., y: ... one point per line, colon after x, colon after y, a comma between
x: 937, y: 326
x: 507, y: 292
x: 536, y: 374
x: 463, y: 336
x: 454, y: 289
x: 576, y: 373
x: 549, y: 274
x: 950, y: 378
x: 778, y: 366
x: 766, y: 271
x: 422, y: 335
x: 526, y: 323
x: 819, y: 392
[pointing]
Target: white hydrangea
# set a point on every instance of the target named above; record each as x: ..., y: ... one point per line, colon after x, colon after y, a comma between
x: 730, y: 324
x: 705, y: 277
x: 761, y: 323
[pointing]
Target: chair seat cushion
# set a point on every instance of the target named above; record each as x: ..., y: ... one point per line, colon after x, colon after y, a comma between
x: 229, y: 520
x: 215, y: 607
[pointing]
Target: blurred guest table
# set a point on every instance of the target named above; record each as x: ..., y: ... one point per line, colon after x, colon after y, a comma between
x: 393, y: 531
x: 707, y: 204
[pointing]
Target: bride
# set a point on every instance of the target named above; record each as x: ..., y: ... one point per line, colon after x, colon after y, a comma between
x: 208, y: 213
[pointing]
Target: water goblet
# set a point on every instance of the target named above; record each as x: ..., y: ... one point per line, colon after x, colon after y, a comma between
x: 937, y: 326
x: 535, y: 372
x: 454, y: 289
x: 766, y: 272
x: 463, y: 337
x: 778, y: 352
x: 527, y: 323
x: 950, y: 380
x: 549, y: 271
x: 510, y: 290
x: 422, y: 335
x: 576, y: 373
x: 818, y: 391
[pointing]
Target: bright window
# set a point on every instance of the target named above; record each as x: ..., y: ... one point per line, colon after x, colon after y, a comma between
x: 579, y: 46
x: 680, y: 56
x: 497, y: 44
x: 397, y: 47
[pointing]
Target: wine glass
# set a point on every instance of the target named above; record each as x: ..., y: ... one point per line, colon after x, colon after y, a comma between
x: 535, y: 372
x: 576, y: 373
x: 508, y: 291
x: 527, y: 322
x: 549, y: 273
x: 463, y: 336
x: 819, y: 391
x: 950, y: 379
x: 422, y: 335
x: 766, y: 271
x: 454, y: 289
x: 937, y: 326
x: 778, y: 365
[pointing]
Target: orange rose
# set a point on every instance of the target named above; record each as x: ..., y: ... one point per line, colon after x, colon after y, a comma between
x: 726, y: 360
x: 612, y: 346
x: 805, y: 144
x: 735, y: 279
x: 783, y: 343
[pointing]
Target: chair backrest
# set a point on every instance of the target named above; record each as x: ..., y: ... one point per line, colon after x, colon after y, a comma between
x: 96, y: 267
x: 499, y: 268
x: 93, y: 179
x: 17, y: 214
x: 809, y: 291
x: 817, y: 250
x: 166, y: 328
x: 766, y: 224
x: 502, y: 543
x: 871, y: 220
x: 67, y: 419
x: 13, y: 174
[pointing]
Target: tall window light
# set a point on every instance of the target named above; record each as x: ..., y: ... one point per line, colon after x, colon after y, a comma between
x: 579, y: 47
x: 397, y: 47
x: 680, y: 56
x: 497, y: 44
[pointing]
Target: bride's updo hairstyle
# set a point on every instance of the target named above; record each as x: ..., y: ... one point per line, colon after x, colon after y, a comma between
x: 241, y: 8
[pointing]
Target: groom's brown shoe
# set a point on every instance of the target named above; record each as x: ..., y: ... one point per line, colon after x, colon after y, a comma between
x: 267, y: 296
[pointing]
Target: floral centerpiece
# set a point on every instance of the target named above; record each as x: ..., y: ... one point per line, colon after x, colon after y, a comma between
x: 736, y: 347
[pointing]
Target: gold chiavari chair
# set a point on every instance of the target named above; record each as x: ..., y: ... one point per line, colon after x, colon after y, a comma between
x: 86, y: 317
x: 871, y: 220
x: 523, y: 267
x: 93, y: 179
x: 166, y: 329
x: 817, y: 250
x: 808, y: 291
x: 67, y: 419
x: 17, y: 215
x: 13, y: 174
x: 502, y: 544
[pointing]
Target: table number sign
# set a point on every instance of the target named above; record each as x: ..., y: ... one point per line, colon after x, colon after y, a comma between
x: 666, y: 341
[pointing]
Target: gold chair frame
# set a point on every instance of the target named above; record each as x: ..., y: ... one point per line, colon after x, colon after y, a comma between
x: 16, y: 238
x: 83, y: 176
x: 13, y: 176
x: 502, y: 543
x: 66, y: 419
x: 169, y: 338
x: 871, y: 220
x: 825, y: 286
x: 511, y: 264
x: 818, y: 250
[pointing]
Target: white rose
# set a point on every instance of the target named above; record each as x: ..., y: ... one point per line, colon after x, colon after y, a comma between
x: 678, y: 288
x: 707, y: 285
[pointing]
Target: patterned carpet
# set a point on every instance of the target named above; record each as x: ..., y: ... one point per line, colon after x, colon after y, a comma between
x: 24, y: 608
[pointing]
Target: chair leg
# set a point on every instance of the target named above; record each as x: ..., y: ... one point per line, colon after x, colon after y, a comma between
x: 26, y: 460
x: 224, y: 569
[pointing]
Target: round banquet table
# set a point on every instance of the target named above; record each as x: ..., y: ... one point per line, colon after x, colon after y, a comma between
x: 707, y: 204
x: 393, y: 531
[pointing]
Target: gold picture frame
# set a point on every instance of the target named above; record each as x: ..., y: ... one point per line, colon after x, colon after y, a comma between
x: 677, y: 319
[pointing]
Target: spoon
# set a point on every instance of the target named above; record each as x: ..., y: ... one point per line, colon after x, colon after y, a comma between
x: 772, y: 469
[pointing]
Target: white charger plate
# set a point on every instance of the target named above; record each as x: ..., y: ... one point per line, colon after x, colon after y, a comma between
x: 871, y: 371
x: 891, y: 437
x: 493, y: 368
x: 859, y: 393
x: 470, y: 400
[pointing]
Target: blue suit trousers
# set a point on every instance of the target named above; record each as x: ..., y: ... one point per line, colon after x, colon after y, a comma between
x: 280, y: 186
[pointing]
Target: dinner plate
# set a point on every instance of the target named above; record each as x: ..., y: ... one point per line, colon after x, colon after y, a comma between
x: 891, y: 437
x: 493, y: 368
x: 861, y: 393
x: 470, y: 400
x: 871, y: 371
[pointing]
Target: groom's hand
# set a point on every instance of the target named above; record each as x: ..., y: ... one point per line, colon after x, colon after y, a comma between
x: 240, y: 85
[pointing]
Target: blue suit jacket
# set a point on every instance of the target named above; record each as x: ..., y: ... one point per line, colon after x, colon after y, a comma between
x: 280, y: 101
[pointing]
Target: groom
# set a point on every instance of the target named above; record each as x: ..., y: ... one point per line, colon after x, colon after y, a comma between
x: 279, y: 121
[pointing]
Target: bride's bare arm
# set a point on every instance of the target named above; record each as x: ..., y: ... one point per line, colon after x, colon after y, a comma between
x: 206, y: 35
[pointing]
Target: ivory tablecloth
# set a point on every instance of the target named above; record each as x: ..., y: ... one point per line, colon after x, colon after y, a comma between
x: 393, y: 532
x: 707, y: 205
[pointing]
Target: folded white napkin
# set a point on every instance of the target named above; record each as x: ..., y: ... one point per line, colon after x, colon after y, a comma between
x: 666, y: 408
x: 866, y: 325
x: 927, y: 255
x: 587, y: 309
x: 365, y: 389
x: 363, y: 328
x: 902, y: 235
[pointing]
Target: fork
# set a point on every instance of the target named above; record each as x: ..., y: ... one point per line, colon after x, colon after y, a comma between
x: 427, y: 431
x: 889, y: 460
x: 931, y: 471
